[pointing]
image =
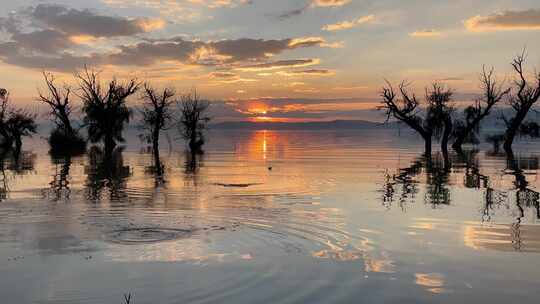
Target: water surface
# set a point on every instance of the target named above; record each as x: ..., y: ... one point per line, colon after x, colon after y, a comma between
x: 271, y: 217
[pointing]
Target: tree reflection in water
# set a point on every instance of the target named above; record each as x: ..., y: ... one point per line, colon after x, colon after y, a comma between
x: 106, y: 172
x: 12, y: 165
x: 156, y: 169
x: 435, y: 174
x: 59, y: 185
x: 193, y: 163
x: 435, y: 170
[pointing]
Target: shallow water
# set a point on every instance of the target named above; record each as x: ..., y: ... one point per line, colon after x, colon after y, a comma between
x: 272, y: 217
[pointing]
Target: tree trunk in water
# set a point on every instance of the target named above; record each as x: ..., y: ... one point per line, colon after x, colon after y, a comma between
x: 155, y: 142
x: 427, y: 147
x: 446, y: 160
x: 446, y: 135
x: 109, y: 145
x: 157, y: 163
x: 509, y: 140
x: 18, y: 144
x: 458, y: 143
x: 512, y: 130
x: 194, y: 144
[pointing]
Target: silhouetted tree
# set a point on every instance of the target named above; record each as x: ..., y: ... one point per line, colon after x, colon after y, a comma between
x: 194, y: 120
x: 521, y: 102
x: 407, y: 111
x: 21, y: 123
x: 106, y: 109
x: 157, y: 114
x: 439, y: 113
x: 7, y: 141
x: 466, y: 130
x: 64, y: 136
x: 14, y: 123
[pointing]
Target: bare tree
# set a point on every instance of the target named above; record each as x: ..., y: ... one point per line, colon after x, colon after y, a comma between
x: 105, y: 108
x: 521, y: 102
x: 493, y: 92
x: 64, y: 136
x: 157, y: 113
x: 407, y: 111
x: 194, y: 120
x: 439, y: 113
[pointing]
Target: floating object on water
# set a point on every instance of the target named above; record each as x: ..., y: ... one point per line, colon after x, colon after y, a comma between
x: 237, y: 185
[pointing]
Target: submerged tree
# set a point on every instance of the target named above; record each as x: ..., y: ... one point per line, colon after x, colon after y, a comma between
x: 521, y: 102
x: 439, y: 113
x: 7, y: 141
x: 14, y: 123
x: 407, y: 111
x: 21, y: 123
x: 466, y: 130
x: 194, y: 120
x: 64, y: 136
x: 105, y: 108
x: 157, y: 113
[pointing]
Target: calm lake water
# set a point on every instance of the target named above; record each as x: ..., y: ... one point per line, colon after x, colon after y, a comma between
x: 272, y: 217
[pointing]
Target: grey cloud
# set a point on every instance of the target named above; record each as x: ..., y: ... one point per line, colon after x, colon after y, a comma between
x: 310, y: 4
x: 208, y: 53
x: 243, y: 49
x: 146, y: 53
x: 293, y: 13
x: 83, y: 22
x: 47, y: 41
x: 11, y: 53
x: 42, y: 36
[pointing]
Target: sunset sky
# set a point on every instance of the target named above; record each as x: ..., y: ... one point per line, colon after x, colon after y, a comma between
x: 293, y: 60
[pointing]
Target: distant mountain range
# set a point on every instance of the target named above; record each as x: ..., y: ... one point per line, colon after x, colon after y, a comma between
x: 319, y: 125
x: 490, y: 125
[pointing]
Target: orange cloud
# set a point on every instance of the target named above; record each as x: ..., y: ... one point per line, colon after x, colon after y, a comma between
x: 280, y: 64
x: 349, y: 24
x: 311, y: 72
x: 148, y: 25
x: 329, y: 3
x: 505, y: 21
